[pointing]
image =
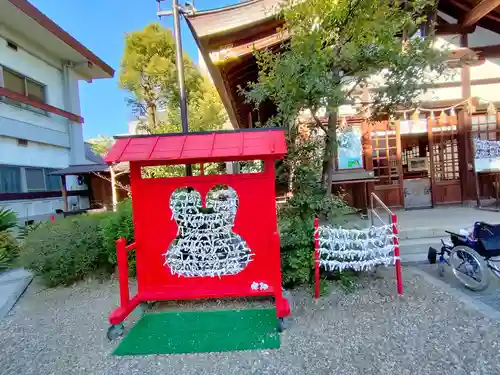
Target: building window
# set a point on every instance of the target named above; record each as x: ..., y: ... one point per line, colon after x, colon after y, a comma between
x: 22, y: 85
x: 27, y: 180
x: 35, y: 179
x: 10, y: 180
x: 53, y: 183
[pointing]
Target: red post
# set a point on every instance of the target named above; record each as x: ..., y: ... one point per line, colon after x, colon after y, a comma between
x: 121, y: 255
x: 397, y: 256
x: 316, y: 258
x: 52, y: 218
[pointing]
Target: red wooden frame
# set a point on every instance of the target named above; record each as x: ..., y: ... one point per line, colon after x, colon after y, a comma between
x: 397, y: 258
x: 155, y: 230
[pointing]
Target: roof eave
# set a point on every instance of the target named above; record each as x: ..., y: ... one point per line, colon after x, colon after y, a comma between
x: 96, y: 68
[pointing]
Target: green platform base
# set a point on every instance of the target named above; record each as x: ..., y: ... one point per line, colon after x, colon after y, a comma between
x: 199, y: 332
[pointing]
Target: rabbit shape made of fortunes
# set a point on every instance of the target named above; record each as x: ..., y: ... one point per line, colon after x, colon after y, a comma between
x: 206, y: 245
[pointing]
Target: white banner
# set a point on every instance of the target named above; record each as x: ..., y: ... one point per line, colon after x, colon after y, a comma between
x: 486, y: 155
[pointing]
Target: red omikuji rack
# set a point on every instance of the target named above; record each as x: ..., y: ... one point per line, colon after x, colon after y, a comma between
x: 155, y: 228
x: 397, y: 257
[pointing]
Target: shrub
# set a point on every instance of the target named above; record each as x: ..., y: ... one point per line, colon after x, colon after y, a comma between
x: 119, y: 224
x: 9, y: 250
x: 8, y: 219
x: 66, y: 250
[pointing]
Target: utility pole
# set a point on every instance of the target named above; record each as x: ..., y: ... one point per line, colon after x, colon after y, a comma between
x: 176, y: 13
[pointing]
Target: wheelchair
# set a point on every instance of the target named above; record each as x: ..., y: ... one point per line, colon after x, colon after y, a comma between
x: 470, y: 256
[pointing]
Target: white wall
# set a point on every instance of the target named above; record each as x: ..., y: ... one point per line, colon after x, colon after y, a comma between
x: 33, y: 155
x: 60, y: 141
x: 490, y: 68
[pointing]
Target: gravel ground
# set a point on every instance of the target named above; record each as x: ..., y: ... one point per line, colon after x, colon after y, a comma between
x: 62, y: 331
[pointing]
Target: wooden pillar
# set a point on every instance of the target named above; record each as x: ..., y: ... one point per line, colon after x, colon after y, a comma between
x: 64, y: 193
x: 464, y: 154
x: 465, y: 73
x: 430, y: 137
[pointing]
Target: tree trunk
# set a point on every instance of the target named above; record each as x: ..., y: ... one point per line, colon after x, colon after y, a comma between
x: 292, y: 157
x: 114, y: 194
x: 151, y: 116
x: 330, y: 152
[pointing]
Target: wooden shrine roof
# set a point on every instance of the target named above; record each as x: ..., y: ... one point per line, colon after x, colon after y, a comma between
x: 227, y: 37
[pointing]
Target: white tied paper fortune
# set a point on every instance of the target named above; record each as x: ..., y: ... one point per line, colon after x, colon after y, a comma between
x: 358, y: 250
x: 206, y: 245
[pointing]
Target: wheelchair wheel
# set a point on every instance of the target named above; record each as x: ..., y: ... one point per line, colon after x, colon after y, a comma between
x: 469, y: 268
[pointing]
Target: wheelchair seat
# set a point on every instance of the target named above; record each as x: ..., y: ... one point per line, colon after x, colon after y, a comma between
x: 488, y: 237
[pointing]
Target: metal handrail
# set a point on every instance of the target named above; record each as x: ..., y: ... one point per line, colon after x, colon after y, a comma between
x: 373, y: 197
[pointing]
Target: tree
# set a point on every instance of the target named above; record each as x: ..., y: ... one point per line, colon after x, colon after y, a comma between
x: 101, y: 144
x: 148, y: 72
x: 334, y: 50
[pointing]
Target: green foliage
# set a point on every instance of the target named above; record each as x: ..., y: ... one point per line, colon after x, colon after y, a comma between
x: 148, y: 72
x: 9, y: 250
x: 335, y: 49
x: 296, y: 217
x: 8, y: 219
x: 119, y: 224
x: 101, y: 144
x: 66, y: 250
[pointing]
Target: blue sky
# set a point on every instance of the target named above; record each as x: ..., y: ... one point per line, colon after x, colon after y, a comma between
x: 101, y: 27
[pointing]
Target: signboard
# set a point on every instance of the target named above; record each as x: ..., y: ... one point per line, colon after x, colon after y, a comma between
x: 350, y: 148
x: 486, y: 155
x: 413, y: 127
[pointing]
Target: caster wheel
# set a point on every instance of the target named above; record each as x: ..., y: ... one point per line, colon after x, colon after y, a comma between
x: 281, y: 325
x: 115, y: 331
x: 441, y: 269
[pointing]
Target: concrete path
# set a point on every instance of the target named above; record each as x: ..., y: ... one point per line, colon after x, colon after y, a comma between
x: 489, y: 297
x: 12, y: 285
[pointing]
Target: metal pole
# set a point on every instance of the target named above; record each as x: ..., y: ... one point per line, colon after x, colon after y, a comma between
x: 180, y: 64
x: 180, y: 72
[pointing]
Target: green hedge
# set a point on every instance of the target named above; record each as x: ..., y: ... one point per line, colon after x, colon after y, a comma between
x: 66, y: 250
x: 71, y: 249
x: 119, y: 224
x: 9, y: 250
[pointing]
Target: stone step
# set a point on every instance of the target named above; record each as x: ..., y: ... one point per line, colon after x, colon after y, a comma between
x: 415, y: 250
x: 422, y: 232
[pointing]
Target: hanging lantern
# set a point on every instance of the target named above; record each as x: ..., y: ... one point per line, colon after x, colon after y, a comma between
x: 492, y: 111
x: 432, y: 115
x: 443, y: 117
x: 452, y: 112
x: 416, y: 115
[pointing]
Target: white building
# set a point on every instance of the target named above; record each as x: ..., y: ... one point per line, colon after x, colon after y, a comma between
x: 40, y: 119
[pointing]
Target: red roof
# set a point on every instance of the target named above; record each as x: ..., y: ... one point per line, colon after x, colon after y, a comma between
x: 200, y: 147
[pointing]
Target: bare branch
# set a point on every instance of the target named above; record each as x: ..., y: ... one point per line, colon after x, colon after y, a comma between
x: 117, y: 183
x: 318, y: 122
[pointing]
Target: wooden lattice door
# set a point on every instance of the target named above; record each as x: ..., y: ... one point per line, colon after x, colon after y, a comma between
x: 387, y: 167
x: 445, y: 165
